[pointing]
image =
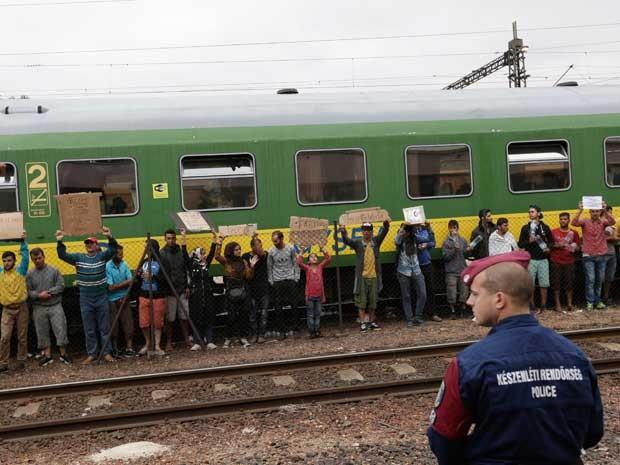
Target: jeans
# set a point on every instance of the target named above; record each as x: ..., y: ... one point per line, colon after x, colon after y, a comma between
x: 258, y: 311
x: 313, y: 314
x: 407, y: 283
x: 594, y: 267
x: 96, y: 321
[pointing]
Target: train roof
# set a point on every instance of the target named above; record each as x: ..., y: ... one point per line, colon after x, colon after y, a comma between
x: 170, y: 111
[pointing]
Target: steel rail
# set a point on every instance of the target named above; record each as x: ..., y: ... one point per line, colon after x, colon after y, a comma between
x: 250, y: 369
x: 197, y: 411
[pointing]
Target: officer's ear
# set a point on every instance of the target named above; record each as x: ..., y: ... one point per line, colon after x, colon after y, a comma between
x: 500, y: 300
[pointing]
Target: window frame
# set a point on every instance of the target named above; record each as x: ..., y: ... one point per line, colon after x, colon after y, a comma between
x: 340, y: 149
x: 17, y: 199
x: 135, y: 164
x: 471, y: 171
x: 611, y: 186
x: 254, y: 178
x: 570, y: 166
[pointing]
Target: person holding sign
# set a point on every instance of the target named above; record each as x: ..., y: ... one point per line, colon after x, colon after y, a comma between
x: 13, y: 296
x: 409, y: 274
x: 594, y: 249
x: 92, y: 282
x: 315, y: 292
x: 368, y: 282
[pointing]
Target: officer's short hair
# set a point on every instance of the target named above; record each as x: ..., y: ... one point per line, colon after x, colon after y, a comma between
x: 511, y: 279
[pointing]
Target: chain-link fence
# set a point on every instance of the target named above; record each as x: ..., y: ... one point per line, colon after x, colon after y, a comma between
x: 249, y: 290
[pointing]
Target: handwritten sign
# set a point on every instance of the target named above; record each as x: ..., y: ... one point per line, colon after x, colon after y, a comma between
x: 414, y: 215
x: 592, y: 202
x: 193, y: 222
x: 80, y: 214
x: 238, y: 230
x: 364, y: 215
x: 306, y: 232
x: 11, y: 225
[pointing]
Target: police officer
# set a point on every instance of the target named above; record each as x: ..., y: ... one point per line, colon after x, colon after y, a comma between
x: 531, y: 394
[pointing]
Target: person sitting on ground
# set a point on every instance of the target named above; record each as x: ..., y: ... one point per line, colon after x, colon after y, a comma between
x: 236, y: 274
x: 152, y: 289
x: 315, y: 291
x: 13, y: 296
x: 454, y: 250
x: 501, y: 240
x: 45, y: 287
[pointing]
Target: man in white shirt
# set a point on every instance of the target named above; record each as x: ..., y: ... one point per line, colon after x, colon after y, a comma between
x: 501, y: 240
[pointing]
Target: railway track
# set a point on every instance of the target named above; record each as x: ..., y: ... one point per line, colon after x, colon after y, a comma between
x: 250, y: 369
x: 200, y: 410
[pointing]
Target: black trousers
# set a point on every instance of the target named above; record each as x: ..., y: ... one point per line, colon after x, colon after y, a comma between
x: 285, y: 293
x: 427, y: 271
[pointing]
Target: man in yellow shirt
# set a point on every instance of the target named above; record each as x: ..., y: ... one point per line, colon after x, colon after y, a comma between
x: 13, y: 296
x: 367, y: 272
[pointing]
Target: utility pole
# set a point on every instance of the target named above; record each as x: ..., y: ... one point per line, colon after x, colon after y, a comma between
x: 514, y: 58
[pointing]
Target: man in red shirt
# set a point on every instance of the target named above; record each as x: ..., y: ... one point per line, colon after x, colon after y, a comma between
x: 565, y: 243
x: 594, y: 249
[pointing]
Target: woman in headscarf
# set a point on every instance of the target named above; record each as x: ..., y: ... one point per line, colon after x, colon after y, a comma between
x: 479, y: 240
x: 236, y: 274
x: 201, y: 297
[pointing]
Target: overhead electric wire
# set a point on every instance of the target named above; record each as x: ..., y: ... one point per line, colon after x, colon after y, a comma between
x: 305, y: 41
x: 68, y: 2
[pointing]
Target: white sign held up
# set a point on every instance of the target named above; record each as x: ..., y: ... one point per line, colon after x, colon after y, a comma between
x: 414, y: 215
x: 592, y: 202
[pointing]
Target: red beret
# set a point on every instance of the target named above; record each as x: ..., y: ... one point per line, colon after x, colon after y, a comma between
x: 520, y: 256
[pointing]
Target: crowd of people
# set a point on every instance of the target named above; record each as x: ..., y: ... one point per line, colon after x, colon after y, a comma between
x: 175, y: 284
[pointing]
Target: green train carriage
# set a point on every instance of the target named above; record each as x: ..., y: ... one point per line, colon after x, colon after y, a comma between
x: 262, y: 158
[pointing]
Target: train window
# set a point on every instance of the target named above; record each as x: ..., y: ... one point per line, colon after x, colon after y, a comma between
x: 538, y: 166
x: 612, y: 161
x: 8, y: 188
x: 115, y: 178
x: 218, y: 182
x: 438, y: 171
x: 331, y: 176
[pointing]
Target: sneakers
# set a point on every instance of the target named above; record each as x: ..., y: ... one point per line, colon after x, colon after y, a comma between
x: 601, y: 306
x: 129, y: 352
x: 374, y: 326
x: 227, y: 343
x: 245, y: 343
x: 589, y: 306
x: 211, y: 346
x: 436, y: 318
x: 409, y: 324
x: 143, y: 351
x: 364, y: 327
x: 418, y: 322
x: 195, y: 348
x: 66, y: 359
x: 45, y: 361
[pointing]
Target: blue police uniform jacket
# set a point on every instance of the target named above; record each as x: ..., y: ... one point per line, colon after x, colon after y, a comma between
x: 531, y: 394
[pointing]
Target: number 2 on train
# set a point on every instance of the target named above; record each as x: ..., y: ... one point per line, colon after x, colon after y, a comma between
x: 38, y: 190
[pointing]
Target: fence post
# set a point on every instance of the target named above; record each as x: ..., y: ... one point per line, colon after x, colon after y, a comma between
x: 338, y: 290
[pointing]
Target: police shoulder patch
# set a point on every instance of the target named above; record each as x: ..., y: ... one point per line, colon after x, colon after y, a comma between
x: 439, y: 397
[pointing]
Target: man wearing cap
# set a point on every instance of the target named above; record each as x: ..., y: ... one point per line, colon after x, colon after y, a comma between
x: 92, y: 283
x: 367, y: 272
x: 531, y: 393
x: 537, y: 239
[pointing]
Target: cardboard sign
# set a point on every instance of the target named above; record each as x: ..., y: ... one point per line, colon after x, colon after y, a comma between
x: 11, y: 225
x: 306, y: 232
x: 80, y: 214
x: 364, y: 215
x: 192, y: 221
x: 592, y: 202
x: 238, y: 230
x: 414, y: 215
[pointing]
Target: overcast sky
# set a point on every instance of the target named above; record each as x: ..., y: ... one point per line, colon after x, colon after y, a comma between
x: 40, y: 41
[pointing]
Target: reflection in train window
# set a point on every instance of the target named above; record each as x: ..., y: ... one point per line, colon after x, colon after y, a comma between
x: 438, y: 171
x: 115, y: 178
x: 331, y: 176
x: 8, y: 188
x: 538, y: 166
x: 218, y: 182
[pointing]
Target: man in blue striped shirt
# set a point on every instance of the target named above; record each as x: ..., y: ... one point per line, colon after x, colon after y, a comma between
x: 92, y: 282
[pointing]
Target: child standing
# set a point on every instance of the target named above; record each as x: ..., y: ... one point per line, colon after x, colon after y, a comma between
x: 454, y: 249
x: 315, y: 292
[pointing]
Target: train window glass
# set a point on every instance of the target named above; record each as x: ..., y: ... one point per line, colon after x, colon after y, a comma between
x: 115, y: 178
x: 218, y: 182
x: 612, y: 161
x: 538, y: 166
x: 331, y: 176
x: 8, y: 188
x: 438, y: 171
